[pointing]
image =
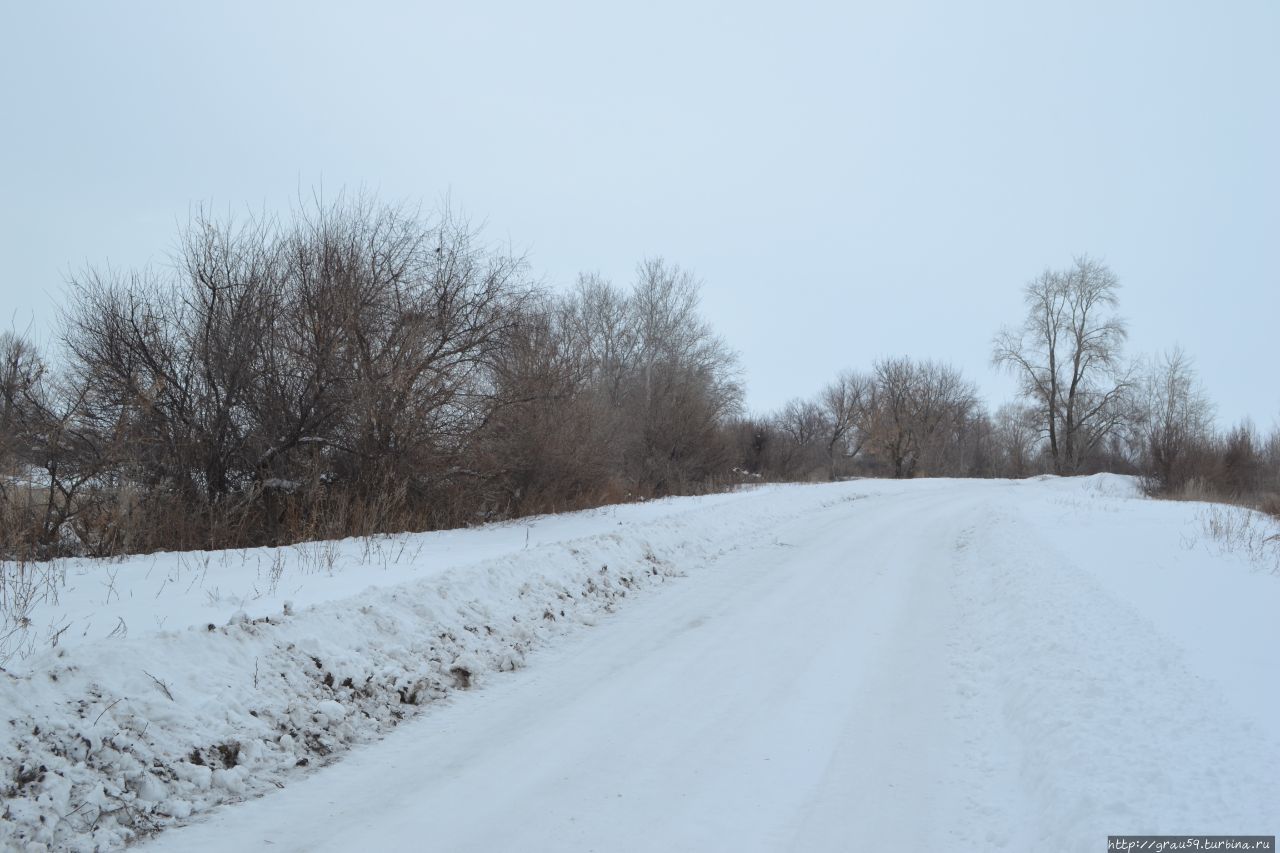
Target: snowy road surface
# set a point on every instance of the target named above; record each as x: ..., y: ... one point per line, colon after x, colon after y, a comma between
x: 964, y: 666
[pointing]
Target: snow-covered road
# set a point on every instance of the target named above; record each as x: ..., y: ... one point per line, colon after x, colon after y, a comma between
x: 967, y: 666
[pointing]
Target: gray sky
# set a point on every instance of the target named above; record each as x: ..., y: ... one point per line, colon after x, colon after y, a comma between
x: 850, y: 180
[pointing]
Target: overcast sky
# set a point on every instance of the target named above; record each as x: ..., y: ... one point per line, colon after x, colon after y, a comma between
x: 850, y: 180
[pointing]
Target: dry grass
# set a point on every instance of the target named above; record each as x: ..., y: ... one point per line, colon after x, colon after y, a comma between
x: 1199, y: 490
x: 130, y: 520
x: 1245, y: 531
x: 23, y: 587
x: 1238, y: 522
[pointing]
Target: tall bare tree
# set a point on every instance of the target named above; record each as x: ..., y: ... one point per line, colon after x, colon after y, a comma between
x: 1067, y: 358
x: 688, y: 381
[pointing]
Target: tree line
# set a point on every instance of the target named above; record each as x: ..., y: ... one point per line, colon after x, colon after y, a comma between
x: 360, y: 368
x: 356, y: 369
x: 1083, y: 407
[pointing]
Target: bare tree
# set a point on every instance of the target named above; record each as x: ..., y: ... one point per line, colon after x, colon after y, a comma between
x: 1241, y: 462
x: 50, y: 458
x: 755, y: 444
x: 172, y: 363
x: 346, y: 354
x: 605, y: 393
x: 1067, y: 357
x: 21, y: 370
x: 970, y: 448
x: 547, y: 442
x: 804, y: 429
x: 847, y: 403
x: 916, y: 405
x: 1016, y: 436
x: 687, y: 382
x: 1177, y: 422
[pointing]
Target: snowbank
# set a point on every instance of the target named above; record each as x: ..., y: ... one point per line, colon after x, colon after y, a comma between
x: 105, y: 739
x: 82, y: 601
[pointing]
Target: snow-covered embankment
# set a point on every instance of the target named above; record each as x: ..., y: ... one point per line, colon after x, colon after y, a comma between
x: 108, y: 738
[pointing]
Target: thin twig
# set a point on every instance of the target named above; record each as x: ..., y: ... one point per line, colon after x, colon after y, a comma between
x: 161, y: 685
x: 108, y: 708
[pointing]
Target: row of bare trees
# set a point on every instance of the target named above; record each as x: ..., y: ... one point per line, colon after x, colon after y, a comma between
x: 361, y: 368
x: 904, y: 418
x: 1084, y: 407
x: 607, y: 393
x: 1181, y: 452
x: 355, y: 369
x: 1094, y: 410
